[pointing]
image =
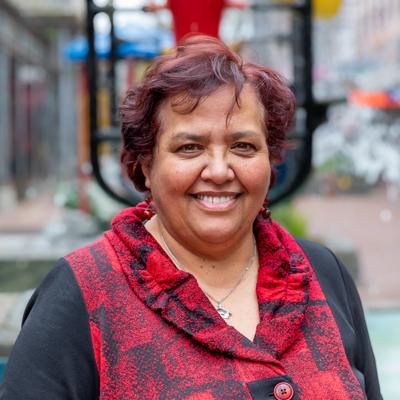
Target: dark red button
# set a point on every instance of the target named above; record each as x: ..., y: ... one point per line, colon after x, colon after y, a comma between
x: 283, y: 391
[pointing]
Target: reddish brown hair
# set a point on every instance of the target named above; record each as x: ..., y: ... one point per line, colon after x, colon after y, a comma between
x: 199, y: 66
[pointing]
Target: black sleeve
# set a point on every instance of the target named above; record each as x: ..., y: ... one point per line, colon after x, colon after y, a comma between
x: 53, y: 358
x: 364, y: 356
x: 344, y: 301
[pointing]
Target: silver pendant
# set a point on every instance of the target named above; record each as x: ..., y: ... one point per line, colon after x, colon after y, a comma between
x: 223, y: 312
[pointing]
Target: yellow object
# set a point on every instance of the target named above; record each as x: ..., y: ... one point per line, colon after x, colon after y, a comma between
x: 344, y: 183
x: 320, y: 8
x: 326, y: 8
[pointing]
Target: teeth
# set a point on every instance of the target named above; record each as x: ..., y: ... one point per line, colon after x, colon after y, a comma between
x: 214, y: 199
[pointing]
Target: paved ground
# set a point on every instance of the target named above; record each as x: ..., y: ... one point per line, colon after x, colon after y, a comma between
x: 384, y: 329
x: 28, y: 249
x: 372, y: 224
x: 28, y: 217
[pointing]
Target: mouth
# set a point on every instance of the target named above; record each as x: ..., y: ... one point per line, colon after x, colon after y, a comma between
x: 216, y: 201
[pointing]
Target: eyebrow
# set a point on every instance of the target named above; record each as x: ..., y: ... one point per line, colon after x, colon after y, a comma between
x: 242, y: 134
x: 203, y: 138
x: 189, y: 136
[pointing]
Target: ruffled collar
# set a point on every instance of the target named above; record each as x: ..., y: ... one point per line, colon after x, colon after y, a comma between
x: 282, y: 289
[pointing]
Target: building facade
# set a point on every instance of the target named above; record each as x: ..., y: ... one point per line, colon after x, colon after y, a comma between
x: 37, y: 103
x: 365, y: 34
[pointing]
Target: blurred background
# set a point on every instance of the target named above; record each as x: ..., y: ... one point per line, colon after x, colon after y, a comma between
x: 64, y: 66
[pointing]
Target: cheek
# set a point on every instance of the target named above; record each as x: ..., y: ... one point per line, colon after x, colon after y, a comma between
x: 177, y: 177
x: 256, y: 176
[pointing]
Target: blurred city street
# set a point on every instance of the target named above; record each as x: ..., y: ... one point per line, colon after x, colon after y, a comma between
x: 370, y: 224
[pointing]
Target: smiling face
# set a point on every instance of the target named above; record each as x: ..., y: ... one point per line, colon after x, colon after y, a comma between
x: 208, y: 179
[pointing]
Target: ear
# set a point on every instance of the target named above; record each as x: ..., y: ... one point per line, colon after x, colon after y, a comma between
x: 146, y: 169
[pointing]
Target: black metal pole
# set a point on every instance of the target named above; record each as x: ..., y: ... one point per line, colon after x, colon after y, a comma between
x: 95, y: 138
x: 308, y: 91
x: 91, y: 69
x: 112, y: 61
x: 303, y: 73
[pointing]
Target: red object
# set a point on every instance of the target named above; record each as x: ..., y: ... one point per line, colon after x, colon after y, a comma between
x: 283, y: 391
x: 156, y: 335
x: 265, y: 211
x: 373, y: 99
x: 149, y: 212
x: 196, y: 16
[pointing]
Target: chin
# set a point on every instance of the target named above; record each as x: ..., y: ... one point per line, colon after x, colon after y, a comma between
x: 218, y: 234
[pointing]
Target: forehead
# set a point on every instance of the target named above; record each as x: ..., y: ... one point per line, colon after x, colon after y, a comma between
x: 219, y: 105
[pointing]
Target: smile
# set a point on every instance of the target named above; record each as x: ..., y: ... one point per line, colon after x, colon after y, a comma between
x: 216, y: 202
x: 215, y: 199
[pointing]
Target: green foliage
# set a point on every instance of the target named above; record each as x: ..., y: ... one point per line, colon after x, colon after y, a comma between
x: 101, y: 207
x: 291, y: 219
x: 339, y: 162
x: 67, y: 195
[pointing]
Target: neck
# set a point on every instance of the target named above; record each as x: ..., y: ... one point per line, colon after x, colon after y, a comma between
x: 216, y: 266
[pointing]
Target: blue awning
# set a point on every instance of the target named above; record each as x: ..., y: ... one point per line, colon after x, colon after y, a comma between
x: 145, y: 42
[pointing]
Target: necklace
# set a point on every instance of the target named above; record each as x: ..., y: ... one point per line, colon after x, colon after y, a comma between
x: 222, y: 311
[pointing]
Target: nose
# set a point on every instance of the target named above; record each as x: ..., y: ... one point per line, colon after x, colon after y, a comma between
x: 218, y: 169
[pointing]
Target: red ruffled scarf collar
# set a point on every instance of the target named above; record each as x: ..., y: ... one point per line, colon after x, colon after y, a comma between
x: 292, y: 305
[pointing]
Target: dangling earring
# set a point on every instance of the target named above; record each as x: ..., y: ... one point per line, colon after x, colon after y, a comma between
x: 149, y: 211
x: 265, y: 211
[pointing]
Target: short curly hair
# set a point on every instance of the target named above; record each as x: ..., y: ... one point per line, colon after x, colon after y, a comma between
x: 199, y: 66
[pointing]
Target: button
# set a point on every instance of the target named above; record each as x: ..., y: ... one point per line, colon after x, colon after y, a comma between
x: 283, y: 391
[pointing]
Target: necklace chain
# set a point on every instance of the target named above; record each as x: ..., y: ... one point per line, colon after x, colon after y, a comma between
x: 221, y: 310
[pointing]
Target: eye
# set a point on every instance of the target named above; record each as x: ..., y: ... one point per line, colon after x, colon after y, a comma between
x: 244, y: 147
x: 190, y: 148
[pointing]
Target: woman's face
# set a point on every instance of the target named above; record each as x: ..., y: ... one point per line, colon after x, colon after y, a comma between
x: 208, y: 179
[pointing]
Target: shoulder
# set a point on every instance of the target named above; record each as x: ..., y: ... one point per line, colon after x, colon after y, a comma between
x: 343, y: 298
x: 59, y: 281
x: 64, y: 292
x: 329, y: 269
x: 334, y: 279
x: 90, y: 254
x: 57, y: 295
x: 326, y: 265
x: 53, y: 352
x: 317, y: 251
x: 90, y: 264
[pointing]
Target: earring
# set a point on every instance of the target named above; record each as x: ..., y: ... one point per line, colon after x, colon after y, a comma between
x: 265, y: 211
x: 149, y: 211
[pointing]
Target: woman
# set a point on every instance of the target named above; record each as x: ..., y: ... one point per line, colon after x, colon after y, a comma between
x: 197, y: 293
